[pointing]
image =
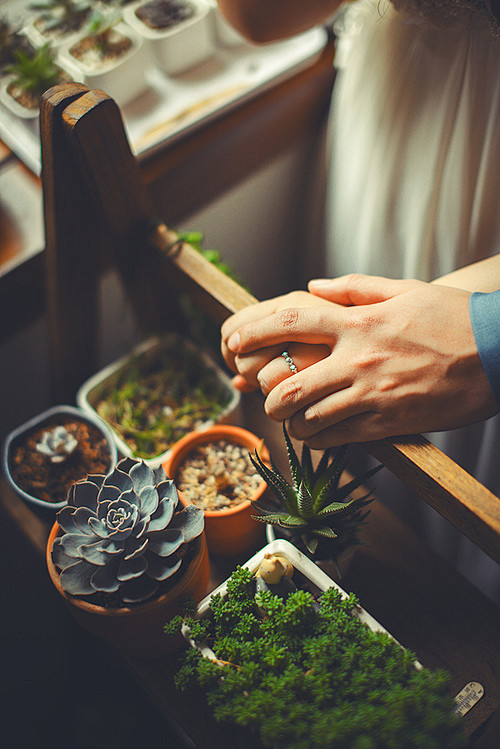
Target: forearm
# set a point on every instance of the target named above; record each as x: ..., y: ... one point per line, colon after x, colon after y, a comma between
x: 481, y: 276
x: 268, y: 20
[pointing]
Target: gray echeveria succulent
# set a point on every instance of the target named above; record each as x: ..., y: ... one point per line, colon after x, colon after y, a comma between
x: 57, y: 444
x: 122, y: 534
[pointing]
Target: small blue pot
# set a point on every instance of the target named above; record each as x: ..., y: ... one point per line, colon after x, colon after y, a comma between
x: 38, y: 421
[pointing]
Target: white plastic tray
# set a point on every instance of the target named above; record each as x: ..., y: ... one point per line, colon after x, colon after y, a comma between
x: 173, y: 106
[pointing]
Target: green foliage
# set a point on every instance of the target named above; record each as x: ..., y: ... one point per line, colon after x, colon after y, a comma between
x: 160, y: 396
x: 202, y: 328
x: 37, y: 72
x: 315, y: 508
x: 309, y: 674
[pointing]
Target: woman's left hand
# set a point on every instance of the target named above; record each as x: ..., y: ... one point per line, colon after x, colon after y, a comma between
x: 265, y: 367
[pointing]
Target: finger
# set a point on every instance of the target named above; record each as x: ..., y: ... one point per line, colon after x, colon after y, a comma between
x: 325, y: 413
x: 306, y: 387
x: 249, y: 365
x: 247, y: 315
x: 357, y: 289
x: 277, y: 370
x: 364, y: 427
x: 242, y: 385
x: 305, y: 325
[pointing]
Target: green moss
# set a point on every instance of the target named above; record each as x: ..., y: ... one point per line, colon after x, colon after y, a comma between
x: 160, y: 396
x: 310, y: 674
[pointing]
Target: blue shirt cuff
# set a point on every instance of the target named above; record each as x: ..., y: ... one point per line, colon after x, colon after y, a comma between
x: 485, y: 318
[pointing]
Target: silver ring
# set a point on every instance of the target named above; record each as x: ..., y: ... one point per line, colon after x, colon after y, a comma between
x: 291, y: 365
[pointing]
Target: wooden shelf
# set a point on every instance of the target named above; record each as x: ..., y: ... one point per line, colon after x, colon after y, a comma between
x: 415, y: 594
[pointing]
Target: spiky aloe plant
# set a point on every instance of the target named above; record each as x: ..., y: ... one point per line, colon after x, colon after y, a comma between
x: 315, y: 509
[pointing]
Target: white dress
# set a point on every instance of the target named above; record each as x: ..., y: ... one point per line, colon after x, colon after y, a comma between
x: 414, y: 183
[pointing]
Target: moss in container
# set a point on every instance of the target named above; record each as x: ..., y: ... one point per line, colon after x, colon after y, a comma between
x: 161, y: 395
x: 304, y: 672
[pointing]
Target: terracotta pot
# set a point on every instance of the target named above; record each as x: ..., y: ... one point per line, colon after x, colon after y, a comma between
x: 231, y: 531
x: 138, y: 630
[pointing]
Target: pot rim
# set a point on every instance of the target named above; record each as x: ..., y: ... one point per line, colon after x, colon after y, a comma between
x: 240, y: 436
x: 122, y: 611
x: 36, y: 421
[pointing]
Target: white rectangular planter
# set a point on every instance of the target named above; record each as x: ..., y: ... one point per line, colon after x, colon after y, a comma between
x: 301, y: 563
x: 89, y: 393
x: 182, y: 45
x: 122, y: 79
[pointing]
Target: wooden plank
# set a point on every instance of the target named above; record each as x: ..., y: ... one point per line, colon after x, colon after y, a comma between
x: 462, y: 500
x: 94, y: 128
x: 72, y: 251
x: 447, y: 487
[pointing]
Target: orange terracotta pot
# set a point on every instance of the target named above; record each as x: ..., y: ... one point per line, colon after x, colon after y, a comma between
x: 138, y: 630
x: 231, y: 531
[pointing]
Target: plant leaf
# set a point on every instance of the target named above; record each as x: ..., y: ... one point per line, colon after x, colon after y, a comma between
x: 292, y: 521
x: 310, y: 542
x: 307, y: 467
x: 345, y: 490
x: 336, y: 508
x: 305, y: 501
x: 275, y: 480
x: 293, y: 461
x: 272, y: 519
x: 329, y: 479
x: 325, y: 532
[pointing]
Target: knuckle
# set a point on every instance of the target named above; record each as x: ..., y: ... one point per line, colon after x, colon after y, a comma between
x: 290, y: 391
x: 289, y: 318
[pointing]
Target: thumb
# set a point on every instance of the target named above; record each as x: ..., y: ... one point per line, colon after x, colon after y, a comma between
x: 357, y: 289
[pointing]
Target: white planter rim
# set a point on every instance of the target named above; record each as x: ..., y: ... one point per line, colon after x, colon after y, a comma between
x: 69, y: 59
x: 129, y: 15
x: 86, y: 394
x: 301, y: 563
x: 37, y: 421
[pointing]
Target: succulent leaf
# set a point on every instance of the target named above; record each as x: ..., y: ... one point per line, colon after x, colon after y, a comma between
x: 307, y: 467
x: 311, y: 543
x: 328, y: 480
x: 295, y: 467
x: 275, y: 480
x: 121, y: 533
x: 304, y: 500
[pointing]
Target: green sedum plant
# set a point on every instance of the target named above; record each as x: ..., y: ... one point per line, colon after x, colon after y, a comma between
x: 315, y: 508
x: 308, y: 674
x: 123, y: 534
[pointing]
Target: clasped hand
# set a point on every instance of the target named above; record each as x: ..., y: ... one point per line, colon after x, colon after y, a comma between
x: 375, y: 358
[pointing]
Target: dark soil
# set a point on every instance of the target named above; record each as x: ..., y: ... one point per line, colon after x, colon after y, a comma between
x: 162, y: 14
x: 101, y: 48
x: 36, y: 475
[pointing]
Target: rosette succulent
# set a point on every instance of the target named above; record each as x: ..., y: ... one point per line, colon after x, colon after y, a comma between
x: 123, y: 534
x: 57, y: 444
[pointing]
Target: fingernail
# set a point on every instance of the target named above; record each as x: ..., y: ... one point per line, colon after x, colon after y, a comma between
x: 320, y: 282
x: 234, y: 342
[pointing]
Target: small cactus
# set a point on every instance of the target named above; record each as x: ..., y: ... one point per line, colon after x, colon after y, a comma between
x: 123, y: 533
